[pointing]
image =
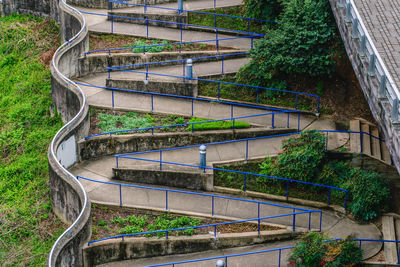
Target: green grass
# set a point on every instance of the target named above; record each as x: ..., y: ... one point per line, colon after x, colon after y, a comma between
x: 28, y: 228
x: 131, y: 120
x: 216, y: 125
x: 225, y: 22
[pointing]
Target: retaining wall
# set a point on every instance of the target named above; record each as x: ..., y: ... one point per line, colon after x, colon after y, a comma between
x: 69, y: 199
x: 134, y: 248
x: 118, y: 144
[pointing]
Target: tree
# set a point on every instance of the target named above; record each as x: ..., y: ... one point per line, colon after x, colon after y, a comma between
x: 303, y: 43
x: 263, y: 9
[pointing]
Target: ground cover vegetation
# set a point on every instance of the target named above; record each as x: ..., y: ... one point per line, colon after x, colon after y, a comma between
x: 304, y: 158
x: 110, y: 41
x: 314, y: 249
x: 111, y: 221
x: 103, y: 121
x: 28, y: 228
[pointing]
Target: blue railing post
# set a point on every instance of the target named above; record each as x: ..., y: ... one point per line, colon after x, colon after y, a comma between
x: 258, y: 216
x: 216, y: 39
x: 279, y: 261
x: 320, y: 221
x: 120, y: 195
x: 222, y: 65
x: 192, y: 108
x: 147, y: 28
x: 309, y: 221
x: 294, y: 220
x: 297, y: 96
x: 215, y: 231
x: 247, y: 149
x: 112, y: 98
x: 116, y: 159
x: 298, y: 121
x: 288, y: 119
x: 212, y: 206
x: 166, y: 199
x: 145, y: 6
x: 362, y: 141
x: 318, y: 105
x: 273, y: 120
x: 160, y: 160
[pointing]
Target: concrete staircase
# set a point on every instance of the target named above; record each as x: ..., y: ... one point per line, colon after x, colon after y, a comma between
x: 391, y: 231
x: 370, y: 146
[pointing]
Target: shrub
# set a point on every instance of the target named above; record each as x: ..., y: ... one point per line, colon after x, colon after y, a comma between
x: 129, y: 121
x: 314, y: 250
x: 301, y: 158
x: 302, y: 43
x: 263, y: 9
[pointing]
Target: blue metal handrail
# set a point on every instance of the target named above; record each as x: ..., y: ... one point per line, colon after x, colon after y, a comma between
x: 184, y: 78
x: 258, y: 219
x: 181, y: 60
x: 154, y: 45
x: 175, y: 23
x: 233, y: 119
x: 190, y: 11
x: 225, y: 257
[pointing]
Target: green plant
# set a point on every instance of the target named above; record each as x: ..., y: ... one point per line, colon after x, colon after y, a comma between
x: 215, y: 125
x: 314, y: 249
x: 301, y: 159
x: 102, y: 223
x: 303, y: 43
x: 129, y: 121
x: 130, y: 229
x: 120, y: 221
x: 263, y: 9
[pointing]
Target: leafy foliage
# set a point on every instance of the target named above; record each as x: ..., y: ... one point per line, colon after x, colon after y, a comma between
x: 302, y: 43
x: 301, y: 158
x: 263, y: 9
x: 151, y: 49
x: 129, y: 121
x: 313, y: 250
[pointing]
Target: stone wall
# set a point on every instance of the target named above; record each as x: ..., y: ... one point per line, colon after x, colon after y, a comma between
x: 106, y: 145
x: 378, y: 103
x: 133, y: 248
x: 178, y: 179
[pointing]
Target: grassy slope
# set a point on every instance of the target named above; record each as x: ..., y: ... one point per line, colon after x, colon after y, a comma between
x: 27, y: 226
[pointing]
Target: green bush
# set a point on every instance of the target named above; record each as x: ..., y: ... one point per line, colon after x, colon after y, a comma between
x: 303, y: 43
x: 215, y: 125
x: 301, y: 159
x: 151, y: 49
x: 263, y: 9
x: 313, y: 250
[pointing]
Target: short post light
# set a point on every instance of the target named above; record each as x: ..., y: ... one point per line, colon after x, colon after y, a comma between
x: 189, y: 68
x: 220, y: 263
x: 203, y: 156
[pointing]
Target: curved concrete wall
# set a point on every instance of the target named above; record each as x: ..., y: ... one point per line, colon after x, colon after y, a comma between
x: 68, y: 196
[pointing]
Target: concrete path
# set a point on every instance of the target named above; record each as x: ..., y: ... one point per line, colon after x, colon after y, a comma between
x: 100, y: 24
x: 100, y: 169
x: 187, y: 5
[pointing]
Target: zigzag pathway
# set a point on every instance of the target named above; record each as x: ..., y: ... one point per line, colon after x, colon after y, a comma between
x: 101, y: 169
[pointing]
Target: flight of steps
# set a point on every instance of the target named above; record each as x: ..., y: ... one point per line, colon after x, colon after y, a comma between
x: 370, y: 146
x: 391, y: 231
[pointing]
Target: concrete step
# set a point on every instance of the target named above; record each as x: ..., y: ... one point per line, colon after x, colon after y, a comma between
x: 355, y: 140
x: 389, y: 233
x: 385, y: 153
x: 375, y: 144
x: 366, y: 139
